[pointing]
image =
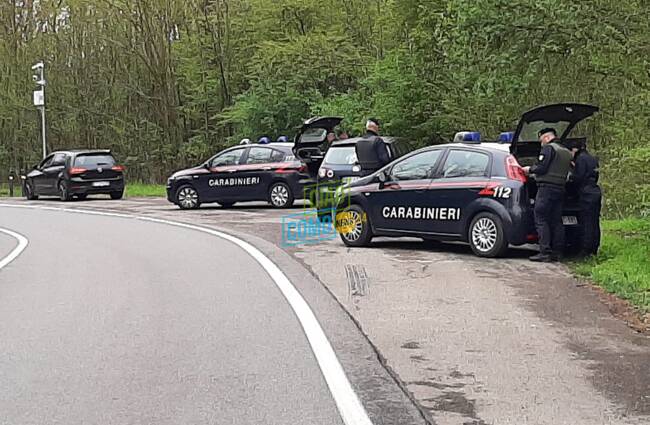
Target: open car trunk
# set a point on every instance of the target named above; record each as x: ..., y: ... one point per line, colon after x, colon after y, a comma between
x: 310, y: 142
x: 563, y: 117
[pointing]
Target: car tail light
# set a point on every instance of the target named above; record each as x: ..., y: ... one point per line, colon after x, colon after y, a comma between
x: 514, y: 170
x: 118, y: 168
x: 302, y: 169
x: 488, y: 190
x: 77, y: 170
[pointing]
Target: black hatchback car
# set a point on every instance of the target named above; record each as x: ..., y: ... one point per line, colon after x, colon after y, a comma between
x: 333, y: 165
x: 75, y: 173
x: 468, y: 191
x: 267, y: 172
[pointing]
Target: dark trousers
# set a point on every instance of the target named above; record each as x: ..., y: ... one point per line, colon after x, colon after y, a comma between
x: 548, y: 219
x: 590, y: 204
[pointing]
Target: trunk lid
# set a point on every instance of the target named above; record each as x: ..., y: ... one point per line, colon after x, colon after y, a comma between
x: 563, y: 117
x: 308, y: 143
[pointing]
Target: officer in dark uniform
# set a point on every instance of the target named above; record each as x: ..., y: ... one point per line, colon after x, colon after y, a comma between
x: 585, y: 178
x: 372, y: 152
x: 550, y: 171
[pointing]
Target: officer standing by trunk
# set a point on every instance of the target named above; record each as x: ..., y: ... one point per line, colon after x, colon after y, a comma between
x: 372, y: 153
x: 550, y: 171
x: 585, y: 177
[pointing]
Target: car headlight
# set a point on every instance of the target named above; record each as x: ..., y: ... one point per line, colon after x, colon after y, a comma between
x: 322, y: 172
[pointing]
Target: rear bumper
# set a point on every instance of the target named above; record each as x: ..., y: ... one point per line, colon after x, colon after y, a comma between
x: 91, y: 188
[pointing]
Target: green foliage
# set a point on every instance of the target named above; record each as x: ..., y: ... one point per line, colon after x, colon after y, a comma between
x: 166, y: 83
x: 622, y: 266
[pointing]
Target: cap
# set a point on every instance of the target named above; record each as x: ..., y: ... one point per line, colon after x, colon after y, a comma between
x: 374, y: 120
x: 543, y: 131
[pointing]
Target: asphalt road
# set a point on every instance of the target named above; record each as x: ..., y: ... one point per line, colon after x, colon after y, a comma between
x: 108, y: 320
x: 470, y: 340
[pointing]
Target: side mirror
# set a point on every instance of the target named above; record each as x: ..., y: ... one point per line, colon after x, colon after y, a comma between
x: 382, y: 177
x: 206, y: 165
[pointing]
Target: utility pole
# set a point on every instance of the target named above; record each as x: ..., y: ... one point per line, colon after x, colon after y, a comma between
x: 39, y: 98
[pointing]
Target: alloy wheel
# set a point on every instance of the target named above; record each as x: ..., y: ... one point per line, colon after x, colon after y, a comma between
x: 188, y: 198
x: 279, y: 195
x: 484, y: 234
x: 356, y: 228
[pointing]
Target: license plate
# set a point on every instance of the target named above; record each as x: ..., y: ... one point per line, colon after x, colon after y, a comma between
x: 101, y: 184
x: 569, y: 220
x: 350, y: 179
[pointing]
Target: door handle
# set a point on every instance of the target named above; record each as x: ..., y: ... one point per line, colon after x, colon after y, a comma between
x: 231, y: 171
x: 266, y: 168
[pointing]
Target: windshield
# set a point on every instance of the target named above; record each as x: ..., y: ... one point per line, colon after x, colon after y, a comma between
x: 94, y: 160
x: 529, y: 130
x: 344, y: 155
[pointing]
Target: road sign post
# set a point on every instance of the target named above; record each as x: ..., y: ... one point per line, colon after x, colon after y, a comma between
x: 39, y: 99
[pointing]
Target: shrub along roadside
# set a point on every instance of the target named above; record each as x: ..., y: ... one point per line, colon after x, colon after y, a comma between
x: 623, y: 265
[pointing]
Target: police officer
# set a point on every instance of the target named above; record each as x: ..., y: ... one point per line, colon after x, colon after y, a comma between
x: 550, y: 171
x: 371, y: 150
x: 585, y: 178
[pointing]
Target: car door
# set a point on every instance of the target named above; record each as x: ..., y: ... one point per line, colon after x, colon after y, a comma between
x: 261, y: 164
x: 38, y: 176
x: 52, y: 172
x: 401, y: 202
x: 220, y: 182
x: 464, y: 173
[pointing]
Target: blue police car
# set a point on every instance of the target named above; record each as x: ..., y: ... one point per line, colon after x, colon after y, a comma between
x: 465, y: 191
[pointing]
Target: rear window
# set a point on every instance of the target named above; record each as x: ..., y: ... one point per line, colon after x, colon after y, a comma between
x: 94, y: 160
x: 344, y: 155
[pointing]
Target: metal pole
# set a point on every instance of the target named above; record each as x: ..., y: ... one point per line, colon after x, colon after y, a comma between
x: 43, y: 129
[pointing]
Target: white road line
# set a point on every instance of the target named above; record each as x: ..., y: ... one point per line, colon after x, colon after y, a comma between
x: 22, y: 244
x: 349, y: 406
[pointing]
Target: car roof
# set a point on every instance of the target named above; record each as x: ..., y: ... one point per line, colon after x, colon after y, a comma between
x: 352, y: 141
x: 499, y: 148
x: 84, y: 151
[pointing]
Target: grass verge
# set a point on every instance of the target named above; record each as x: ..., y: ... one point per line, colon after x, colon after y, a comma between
x: 140, y: 190
x: 622, y: 266
x: 4, y: 190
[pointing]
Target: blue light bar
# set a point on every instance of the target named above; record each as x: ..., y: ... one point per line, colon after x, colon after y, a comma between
x: 467, y: 137
x: 506, y: 137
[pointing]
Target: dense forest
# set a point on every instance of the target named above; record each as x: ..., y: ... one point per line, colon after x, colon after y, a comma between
x: 166, y: 83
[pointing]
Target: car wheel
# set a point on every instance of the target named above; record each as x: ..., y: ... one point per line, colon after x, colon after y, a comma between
x: 117, y: 195
x: 64, y: 193
x: 30, y: 195
x: 356, y: 231
x: 486, y: 235
x: 226, y: 204
x: 187, y: 198
x: 82, y: 196
x: 280, y: 195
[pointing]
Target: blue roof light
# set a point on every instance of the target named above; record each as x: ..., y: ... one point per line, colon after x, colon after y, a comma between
x: 506, y: 137
x: 467, y: 137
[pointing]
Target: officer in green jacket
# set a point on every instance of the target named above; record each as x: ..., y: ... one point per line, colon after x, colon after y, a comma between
x: 550, y: 172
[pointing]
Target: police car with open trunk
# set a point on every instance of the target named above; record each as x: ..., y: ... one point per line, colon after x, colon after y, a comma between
x: 469, y: 191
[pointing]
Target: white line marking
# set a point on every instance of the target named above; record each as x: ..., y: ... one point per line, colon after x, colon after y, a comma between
x: 22, y: 244
x: 350, y: 407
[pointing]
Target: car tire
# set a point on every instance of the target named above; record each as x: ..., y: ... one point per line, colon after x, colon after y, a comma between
x: 361, y: 234
x: 30, y: 195
x: 117, y: 195
x: 486, y: 235
x: 280, y: 195
x: 226, y: 204
x: 82, y: 196
x: 64, y: 193
x: 187, y: 198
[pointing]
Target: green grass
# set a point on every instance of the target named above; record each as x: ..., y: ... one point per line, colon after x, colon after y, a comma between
x: 4, y: 190
x: 622, y: 266
x: 140, y: 190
